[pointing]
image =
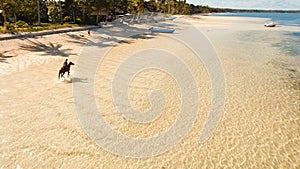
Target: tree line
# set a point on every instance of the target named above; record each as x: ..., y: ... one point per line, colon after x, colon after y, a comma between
x: 206, y: 9
x: 83, y: 11
x: 93, y: 11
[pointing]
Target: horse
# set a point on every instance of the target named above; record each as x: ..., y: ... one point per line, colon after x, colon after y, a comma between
x: 65, y: 69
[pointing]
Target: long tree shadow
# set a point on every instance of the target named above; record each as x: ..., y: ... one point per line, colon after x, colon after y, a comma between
x: 116, y: 37
x: 3, y: 58
x: 50, y: 49
x: 78, y: 39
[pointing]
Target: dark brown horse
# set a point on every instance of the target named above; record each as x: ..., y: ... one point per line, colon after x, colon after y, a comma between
x: 65, y: 69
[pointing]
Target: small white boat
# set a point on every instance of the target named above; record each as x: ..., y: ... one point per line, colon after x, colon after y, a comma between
x: 270, y: 24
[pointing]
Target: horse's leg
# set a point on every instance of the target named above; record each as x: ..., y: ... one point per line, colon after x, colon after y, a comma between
x: 59, y: 74
x: 62, y: 74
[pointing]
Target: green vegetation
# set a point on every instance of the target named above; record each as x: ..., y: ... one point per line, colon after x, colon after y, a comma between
x: 83, y: 11
x: 36, y: 15
x: 21, y: 26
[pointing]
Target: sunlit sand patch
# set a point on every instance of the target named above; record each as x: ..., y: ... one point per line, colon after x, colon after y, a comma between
x: 142, y: 85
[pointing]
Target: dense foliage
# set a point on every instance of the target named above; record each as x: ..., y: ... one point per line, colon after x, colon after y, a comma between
x: 206, y: 9
x: 35, y: 12
x: 83, y: 11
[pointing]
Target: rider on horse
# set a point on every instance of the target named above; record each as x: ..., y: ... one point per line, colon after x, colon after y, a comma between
x: 65, y: 66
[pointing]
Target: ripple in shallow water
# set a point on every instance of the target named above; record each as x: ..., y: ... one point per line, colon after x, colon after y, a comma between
x: 290, y: 44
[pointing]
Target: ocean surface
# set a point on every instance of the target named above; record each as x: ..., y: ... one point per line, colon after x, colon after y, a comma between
x: 291, y: 42
x: 288, y: 19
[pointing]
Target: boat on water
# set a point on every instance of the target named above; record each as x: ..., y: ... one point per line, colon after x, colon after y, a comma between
x: 270, y: 24
x: 162, y: 30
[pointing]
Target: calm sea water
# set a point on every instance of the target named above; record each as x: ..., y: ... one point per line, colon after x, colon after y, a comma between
x: 289, y: 19
x: 290, y: 43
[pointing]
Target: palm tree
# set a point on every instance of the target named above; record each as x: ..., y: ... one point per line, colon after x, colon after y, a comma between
x: 98, y: 6
x: 137, y: 6
x: 39, y: 12
x: 83, y: 5
x: 2, y: 11
x: 60, y: 12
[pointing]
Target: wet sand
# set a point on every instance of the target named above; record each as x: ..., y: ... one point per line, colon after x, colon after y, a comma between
x: 259, y: 129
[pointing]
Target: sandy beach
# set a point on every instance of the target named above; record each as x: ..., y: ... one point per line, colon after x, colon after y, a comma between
x: 39, y: 127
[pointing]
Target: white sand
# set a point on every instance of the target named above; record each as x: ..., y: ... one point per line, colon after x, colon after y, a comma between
x: 260, y: 127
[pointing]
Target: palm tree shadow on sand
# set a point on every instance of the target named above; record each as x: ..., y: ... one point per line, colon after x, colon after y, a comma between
x: 51, y: 49
x: 77, y: 39
x: 4, y: 58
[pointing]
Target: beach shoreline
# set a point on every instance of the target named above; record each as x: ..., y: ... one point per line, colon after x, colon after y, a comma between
x: 81, y: 37
x: 39, y: 125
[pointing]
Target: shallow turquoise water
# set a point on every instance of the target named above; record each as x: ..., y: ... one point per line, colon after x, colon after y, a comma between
x: 289, y: 19
x: 291, y: 42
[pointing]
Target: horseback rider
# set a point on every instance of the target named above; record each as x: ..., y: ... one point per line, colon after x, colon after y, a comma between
x: 65, y: 66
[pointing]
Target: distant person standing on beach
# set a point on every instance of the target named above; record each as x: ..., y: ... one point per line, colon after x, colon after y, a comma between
x: 89, y: 32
